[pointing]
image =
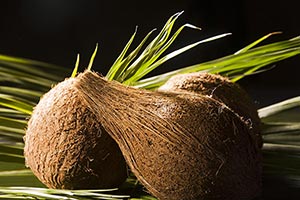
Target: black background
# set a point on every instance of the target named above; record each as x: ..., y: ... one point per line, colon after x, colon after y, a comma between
x: 55, y: 31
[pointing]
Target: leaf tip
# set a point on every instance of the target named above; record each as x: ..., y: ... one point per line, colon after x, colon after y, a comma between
x: 92, y: 58
x: 76, y: 66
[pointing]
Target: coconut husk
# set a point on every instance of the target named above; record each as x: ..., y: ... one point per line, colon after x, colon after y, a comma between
x: 66, y: 147
x: 221, y: 89
x: 179, y: 146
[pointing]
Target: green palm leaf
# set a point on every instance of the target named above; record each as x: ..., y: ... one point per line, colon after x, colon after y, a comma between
x: 23, y: 81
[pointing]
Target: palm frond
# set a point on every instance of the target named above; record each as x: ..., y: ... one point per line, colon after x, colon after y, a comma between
x: 279, y: 107
x: 43, y: 193
x: 237, y: 65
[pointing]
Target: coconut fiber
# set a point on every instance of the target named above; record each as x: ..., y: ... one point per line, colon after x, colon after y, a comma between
x: 66, y: 147
x: 180, y: 146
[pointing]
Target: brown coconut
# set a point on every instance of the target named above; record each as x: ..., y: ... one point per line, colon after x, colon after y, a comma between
x: 66, y: 147
x: 221, y: 89
x: 180, y: 146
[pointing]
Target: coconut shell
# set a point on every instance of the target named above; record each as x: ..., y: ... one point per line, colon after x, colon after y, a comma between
x: 66, y: 147
x: 179, y: 146
x: 221, y: 89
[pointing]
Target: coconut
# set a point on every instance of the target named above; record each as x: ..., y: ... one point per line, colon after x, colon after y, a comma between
x: 221, y: 89
x: 66, y: 147
x: 180, y: 146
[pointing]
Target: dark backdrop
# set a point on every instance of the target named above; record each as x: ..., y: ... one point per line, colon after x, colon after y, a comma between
x: 55, y: 31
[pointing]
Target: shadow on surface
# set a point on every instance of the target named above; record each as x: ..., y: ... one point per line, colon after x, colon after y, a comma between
x: 279, y: 188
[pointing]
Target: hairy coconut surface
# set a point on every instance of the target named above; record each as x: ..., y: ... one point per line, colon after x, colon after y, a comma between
x: 66, y: 147
x: 221, y: 89
x: 180, y: 146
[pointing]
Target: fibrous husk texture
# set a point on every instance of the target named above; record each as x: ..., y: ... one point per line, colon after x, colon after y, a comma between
x: 66, y: 147
x: 180, y: 146
x: 221, y: 89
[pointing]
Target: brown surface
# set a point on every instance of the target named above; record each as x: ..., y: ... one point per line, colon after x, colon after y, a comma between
x: 66, y: 147
x: 221, y: 89
x: 180, y: 146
